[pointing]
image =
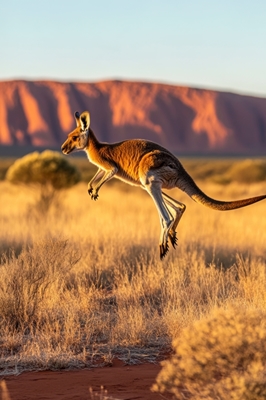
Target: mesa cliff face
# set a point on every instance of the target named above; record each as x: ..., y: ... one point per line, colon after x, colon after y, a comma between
x: 185, y: 120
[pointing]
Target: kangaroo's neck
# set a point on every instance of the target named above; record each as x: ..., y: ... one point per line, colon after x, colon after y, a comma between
x: 93, y: 147
x: 93, y: 143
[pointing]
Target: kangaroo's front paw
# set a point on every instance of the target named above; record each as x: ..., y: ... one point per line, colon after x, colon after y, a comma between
x: 93, y: 193
x: 94, y: 196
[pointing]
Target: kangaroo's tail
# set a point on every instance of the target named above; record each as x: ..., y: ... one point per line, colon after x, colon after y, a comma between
x: 187, y: 184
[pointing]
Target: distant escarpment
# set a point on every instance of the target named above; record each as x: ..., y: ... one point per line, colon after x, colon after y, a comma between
x: 183, y: 119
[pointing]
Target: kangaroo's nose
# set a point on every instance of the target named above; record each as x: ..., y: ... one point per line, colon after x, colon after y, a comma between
x: 63, y: 148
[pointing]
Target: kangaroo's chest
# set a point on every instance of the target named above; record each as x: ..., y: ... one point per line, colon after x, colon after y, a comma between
x: 127, y: 166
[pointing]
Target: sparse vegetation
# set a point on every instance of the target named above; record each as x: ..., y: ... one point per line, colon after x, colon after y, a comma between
x: 248, y: 171
x: 224, y: 171
x: 84, y: 282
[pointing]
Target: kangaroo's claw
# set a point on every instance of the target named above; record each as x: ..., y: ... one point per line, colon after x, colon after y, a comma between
x: 164, y: 248
x: 173, y: 239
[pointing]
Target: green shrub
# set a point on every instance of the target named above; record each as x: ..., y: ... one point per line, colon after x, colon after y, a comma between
x: 46, y: 168
x: 48, y: 172
x: 221, y: 357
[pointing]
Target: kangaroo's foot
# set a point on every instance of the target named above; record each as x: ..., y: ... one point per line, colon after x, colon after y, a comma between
x: 173, y: 238
x: 164, y: 248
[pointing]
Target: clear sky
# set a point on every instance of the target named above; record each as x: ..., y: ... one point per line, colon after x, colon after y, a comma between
x: 219, y: 44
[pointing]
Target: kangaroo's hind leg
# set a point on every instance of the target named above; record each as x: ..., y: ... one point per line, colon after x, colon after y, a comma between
x: 179, y: 209
x: 166, y: 218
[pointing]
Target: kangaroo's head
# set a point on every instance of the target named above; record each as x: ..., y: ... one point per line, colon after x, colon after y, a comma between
x: 78, y: 138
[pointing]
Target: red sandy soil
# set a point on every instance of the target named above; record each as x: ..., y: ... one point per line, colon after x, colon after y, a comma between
x: 122, y: 382
x: 183, y: 119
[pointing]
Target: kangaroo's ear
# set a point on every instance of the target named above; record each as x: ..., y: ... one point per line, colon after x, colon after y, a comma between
x: 76, y: 115
x: 85, y: 120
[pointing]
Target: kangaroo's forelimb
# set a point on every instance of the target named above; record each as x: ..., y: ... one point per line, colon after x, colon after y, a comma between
x: 104, y: 177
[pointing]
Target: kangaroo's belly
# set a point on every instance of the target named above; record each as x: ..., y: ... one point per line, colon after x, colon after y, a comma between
x: 130, y: 178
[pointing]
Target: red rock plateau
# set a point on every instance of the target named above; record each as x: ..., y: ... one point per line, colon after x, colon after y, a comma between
x: 185, y: 120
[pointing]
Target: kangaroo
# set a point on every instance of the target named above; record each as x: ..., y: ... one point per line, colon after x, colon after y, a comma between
x: 148, y: 165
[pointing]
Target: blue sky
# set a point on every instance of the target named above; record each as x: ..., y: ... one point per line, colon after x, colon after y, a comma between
x: 201, y: 43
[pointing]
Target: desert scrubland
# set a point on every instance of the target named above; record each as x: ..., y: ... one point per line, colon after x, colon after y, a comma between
x: 82, y: 281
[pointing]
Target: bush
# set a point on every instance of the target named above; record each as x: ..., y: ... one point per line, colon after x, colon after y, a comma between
x: 48, y: 172
x: 46, y: 168
x: 221, y: 357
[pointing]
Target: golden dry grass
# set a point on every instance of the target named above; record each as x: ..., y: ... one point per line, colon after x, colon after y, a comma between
x: 84, y: 282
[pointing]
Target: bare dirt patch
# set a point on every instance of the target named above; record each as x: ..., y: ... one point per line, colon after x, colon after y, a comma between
x: 120, y: 381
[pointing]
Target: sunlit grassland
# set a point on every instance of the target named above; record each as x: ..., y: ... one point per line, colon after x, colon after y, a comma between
x: 84, y: 282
